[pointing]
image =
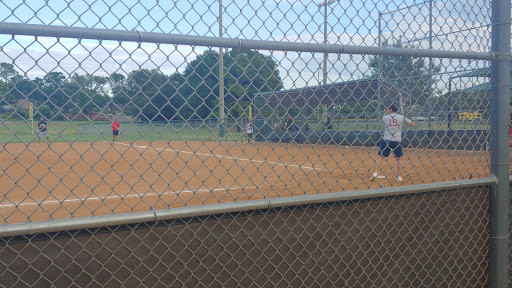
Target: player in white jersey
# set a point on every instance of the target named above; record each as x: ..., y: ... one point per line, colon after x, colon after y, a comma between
x: 249, y: 130
x: 392, y: 140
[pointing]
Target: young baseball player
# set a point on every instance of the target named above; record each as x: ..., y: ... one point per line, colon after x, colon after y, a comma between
x: 249, y: 131
x: 43, y: 131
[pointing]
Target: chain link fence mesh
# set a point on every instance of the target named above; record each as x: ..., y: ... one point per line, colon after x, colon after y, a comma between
x: 434, y: 239
x: 201, y: 125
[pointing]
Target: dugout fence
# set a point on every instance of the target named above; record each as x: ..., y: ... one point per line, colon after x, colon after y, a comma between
x: 178, y: 201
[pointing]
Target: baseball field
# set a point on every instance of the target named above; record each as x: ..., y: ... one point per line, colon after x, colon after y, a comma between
x: 79, y: 179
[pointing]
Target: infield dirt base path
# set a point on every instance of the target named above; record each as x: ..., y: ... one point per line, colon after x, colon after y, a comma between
x: 63, y: 180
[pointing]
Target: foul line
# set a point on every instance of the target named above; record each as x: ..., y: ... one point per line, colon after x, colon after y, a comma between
x: 111, y: 197
x: 224, y: 156
x: 164, y: 193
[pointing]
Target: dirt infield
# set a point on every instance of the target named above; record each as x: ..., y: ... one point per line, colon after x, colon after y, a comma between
x: 41, y: 182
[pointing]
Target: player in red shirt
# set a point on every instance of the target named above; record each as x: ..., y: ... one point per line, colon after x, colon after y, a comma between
x: 115, y: 129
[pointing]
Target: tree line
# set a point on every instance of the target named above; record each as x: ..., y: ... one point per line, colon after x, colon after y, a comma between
x: 145, y: 94
x: 150, y: 95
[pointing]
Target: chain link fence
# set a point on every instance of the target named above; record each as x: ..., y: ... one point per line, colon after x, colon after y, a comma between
x: 151, y: 143
x: 395, y: 241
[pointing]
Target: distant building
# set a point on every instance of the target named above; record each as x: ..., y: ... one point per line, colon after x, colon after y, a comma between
x: 333, y: 96
x: 23, y: 103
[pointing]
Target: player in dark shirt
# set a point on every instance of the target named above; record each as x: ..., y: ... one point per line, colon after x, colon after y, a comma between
x: 43, y: 131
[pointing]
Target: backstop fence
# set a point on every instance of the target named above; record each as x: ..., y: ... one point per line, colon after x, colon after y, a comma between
x: 250, y: 144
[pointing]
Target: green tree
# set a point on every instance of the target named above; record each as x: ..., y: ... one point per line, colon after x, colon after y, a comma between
x: 51, y: 94
x: 409, y: 75
x: 247, y: 72
x: 119, y: 91
x: 6, y: 97
x: 175, y: 99
x: 22, y: 87
x: 87, y: 93
x: 44, y: 111
x: 7, y: 71
x: 150, y: 93
x: 201, y: 89
x: 7, y: 74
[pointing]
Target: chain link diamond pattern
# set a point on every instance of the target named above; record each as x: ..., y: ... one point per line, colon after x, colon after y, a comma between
x: 317, y: 122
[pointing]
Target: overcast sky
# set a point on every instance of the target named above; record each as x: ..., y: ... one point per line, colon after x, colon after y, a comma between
x: 349, y: 22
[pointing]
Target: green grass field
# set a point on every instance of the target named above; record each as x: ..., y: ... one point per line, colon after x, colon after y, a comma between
x: 84, y: 131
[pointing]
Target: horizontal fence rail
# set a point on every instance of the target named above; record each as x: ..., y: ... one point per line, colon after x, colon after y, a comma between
x: 247, y: 247
x: 240, y: 44
x: 164, y: 215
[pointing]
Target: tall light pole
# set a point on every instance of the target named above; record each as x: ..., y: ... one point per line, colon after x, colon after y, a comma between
x: 430, y: 64
x: 325, y: 42
x: 324, y: 4
x: 430, y: 92
x: 379, y: 70
x: 221, y: 78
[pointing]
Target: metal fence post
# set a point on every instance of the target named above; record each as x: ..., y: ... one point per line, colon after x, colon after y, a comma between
x: 222, y: 115
x: 500, y: 97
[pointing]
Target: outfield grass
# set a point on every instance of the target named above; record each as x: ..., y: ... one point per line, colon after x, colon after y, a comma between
x: 65, y: 131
